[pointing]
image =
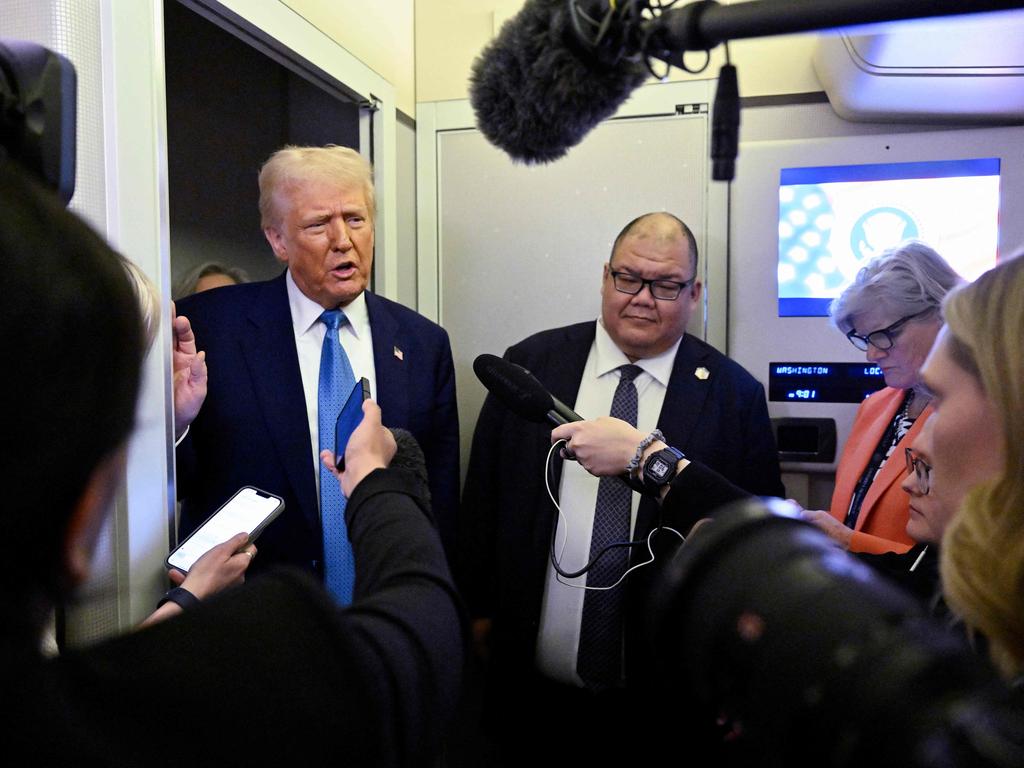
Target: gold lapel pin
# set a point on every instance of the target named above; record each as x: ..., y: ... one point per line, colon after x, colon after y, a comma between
x: 702, y: 373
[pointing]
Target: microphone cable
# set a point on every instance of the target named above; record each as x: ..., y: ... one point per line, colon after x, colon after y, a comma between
x: 556, y: 558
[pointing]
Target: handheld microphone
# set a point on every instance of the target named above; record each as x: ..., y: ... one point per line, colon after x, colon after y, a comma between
x: 522, y: 394
x: 520, y: 391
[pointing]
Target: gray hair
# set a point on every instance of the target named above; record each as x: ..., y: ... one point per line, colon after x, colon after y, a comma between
x: 907, y: 280
x: 186, y: 286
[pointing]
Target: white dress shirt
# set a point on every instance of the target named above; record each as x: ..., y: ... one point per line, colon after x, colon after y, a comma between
x: 559, y: 635
x: 356, y: 339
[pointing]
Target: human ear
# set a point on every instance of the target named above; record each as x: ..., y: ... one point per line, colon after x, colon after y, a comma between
x: 276, y: 243
x: 88, y: 515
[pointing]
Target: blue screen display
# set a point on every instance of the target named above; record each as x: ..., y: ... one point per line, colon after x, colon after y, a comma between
x: 835, y: 219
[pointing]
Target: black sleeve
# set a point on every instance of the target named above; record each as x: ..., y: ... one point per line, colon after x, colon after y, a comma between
x: 275, y: 673
x: 696, y: 493
x: 761, y: 456
x: 406, y: 617
x: 923, y: 582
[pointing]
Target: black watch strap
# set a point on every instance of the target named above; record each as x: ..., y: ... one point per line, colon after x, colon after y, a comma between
x: 182, y: 597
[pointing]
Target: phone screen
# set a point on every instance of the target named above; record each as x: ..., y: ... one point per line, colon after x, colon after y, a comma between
x: 349, y: 418
x: 248, y: 510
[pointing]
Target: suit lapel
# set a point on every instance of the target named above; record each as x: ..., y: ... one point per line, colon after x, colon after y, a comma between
x: 389, y: 363
x: 685, y: 395
x: 563, y: 370
x: 269, y: 352
x: 684, y: 399
x: 894, y: 469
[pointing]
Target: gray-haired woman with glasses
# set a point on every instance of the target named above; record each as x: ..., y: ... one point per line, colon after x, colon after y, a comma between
x: 892, y: 312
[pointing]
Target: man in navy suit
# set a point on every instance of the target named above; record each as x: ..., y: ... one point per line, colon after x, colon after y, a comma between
x: 258, y: 424
x: 529, y: 616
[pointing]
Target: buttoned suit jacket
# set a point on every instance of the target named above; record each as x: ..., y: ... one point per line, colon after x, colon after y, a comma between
x: 882, y: 522
x: 507, y: 518
x: 253, y: 428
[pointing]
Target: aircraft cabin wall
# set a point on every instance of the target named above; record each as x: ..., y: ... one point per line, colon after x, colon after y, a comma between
x: 777, y: 136
x: 124, y: 174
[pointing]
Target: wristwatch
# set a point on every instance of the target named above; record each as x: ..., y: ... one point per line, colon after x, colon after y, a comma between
x: 660, y: 468
x: 182, y: 597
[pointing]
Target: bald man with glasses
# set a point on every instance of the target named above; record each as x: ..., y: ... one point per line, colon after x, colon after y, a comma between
x: 566, y: 654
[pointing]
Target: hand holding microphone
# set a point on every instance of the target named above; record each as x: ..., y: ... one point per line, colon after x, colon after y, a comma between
x: 603, y: 440
x: 603, y: 446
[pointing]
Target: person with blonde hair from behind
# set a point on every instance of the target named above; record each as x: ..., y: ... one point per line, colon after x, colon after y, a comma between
x: 976, y: 372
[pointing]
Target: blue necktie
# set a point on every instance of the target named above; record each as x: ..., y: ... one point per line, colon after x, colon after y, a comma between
x: 599, y: 658
x: 336, y: 382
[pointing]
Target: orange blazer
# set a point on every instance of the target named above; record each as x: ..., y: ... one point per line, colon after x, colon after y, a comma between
x: 881, y: 525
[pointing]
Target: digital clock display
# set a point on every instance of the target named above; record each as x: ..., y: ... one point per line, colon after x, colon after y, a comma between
x: 823, y: 382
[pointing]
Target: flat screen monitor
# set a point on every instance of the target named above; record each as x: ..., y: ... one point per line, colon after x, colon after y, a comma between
x: 834, y: 219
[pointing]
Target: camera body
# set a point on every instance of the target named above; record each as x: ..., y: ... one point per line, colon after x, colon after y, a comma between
x: 38, y: 113
x: 810, y: 657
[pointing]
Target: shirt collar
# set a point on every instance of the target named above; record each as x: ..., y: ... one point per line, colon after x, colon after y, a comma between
x: 610, y: 357
x: 306, y: 312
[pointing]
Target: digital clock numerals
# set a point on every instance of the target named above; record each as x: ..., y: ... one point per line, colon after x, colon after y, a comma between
x: 803, y: 394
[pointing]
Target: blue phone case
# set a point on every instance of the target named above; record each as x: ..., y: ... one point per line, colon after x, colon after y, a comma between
x: 349, y: 418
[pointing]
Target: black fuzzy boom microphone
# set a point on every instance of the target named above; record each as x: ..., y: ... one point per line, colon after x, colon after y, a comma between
x: 559, y: 67
x: 536, y: 91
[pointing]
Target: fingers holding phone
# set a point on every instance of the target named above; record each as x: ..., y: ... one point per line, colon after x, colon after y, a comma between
x: 222, y: 567
x: 370, y: 446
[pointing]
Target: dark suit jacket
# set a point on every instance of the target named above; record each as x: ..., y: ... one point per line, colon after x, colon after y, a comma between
x: 506, y: 517
x: 253, y: 428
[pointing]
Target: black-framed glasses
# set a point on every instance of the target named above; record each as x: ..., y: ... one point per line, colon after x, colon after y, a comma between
x: 884, y: 338
x: 663, y: 290
x: 922, y: 470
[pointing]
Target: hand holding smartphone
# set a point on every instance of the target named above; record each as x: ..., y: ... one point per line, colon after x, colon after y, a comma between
x: 249, y: 510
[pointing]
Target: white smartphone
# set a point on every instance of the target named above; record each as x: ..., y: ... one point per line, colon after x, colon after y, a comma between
x: 249, y: 510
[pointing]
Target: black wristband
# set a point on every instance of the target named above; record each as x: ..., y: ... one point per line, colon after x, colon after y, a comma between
x: 182, y: 597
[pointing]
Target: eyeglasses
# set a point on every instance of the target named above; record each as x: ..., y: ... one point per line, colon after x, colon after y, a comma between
x: 886, y: 337
x: 663, y: 290
x: 921, y: 469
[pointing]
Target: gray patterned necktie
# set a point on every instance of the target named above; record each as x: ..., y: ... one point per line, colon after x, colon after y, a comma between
x: 599, y: 659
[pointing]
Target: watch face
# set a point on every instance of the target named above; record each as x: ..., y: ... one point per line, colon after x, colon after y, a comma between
x: 659, y: 467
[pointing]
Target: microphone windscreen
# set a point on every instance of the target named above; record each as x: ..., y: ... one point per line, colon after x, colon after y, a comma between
x: 536, y: 93
x: 409, y: 457
x: 514, y: 386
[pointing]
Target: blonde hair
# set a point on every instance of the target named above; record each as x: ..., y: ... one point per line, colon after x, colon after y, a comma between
x: 294, y: 165
x: 147, y: 296
x: 983, y: 548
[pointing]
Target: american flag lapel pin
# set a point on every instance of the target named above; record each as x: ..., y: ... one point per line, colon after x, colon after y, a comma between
x: 399, y: 354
